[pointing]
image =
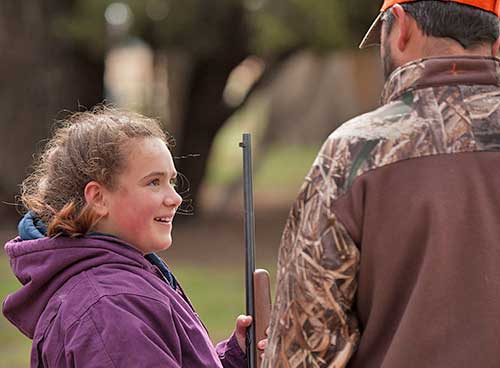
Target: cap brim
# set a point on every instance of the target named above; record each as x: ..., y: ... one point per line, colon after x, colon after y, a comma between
x: 372, y: 37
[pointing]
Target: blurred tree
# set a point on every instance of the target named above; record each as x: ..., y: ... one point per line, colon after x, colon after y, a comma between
x: 42, y: 74
x: 212, y: 36
x: 62, y: 44
x: 217, y: 35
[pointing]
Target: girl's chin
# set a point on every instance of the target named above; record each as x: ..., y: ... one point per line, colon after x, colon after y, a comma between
x: 164, y: 245
x: 157, y: 247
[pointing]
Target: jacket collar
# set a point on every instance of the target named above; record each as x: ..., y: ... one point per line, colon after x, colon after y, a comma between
x: 441, y: 71
x: 31, y: 227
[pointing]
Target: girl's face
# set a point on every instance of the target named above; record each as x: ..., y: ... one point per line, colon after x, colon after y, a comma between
x: 141, y: 208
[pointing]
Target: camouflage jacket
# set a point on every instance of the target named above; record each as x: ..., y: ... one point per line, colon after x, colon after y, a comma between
x: 390, y: 254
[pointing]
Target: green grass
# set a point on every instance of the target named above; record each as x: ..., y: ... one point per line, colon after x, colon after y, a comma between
x: 282, y: 167
x: 226, y: 157
x: 217, y: 295
x: 285, y: 167
x: 14, y: 347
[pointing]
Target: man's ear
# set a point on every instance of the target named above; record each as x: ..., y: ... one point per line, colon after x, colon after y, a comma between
x: 95, y: 197
x: 404, y: 24
x: 495, y: 47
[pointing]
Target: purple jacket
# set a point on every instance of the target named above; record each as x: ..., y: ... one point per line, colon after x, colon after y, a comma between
x: 97, y: 302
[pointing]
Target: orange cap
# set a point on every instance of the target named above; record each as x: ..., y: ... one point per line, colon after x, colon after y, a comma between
x: 372, y: 37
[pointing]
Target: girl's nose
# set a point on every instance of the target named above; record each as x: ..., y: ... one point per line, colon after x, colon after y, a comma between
x: 172, y: 198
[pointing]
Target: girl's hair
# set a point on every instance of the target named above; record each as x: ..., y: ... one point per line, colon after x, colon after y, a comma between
x: 88, y: 146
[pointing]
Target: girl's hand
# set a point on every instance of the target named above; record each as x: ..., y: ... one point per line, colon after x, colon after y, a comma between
x: 242, y: 323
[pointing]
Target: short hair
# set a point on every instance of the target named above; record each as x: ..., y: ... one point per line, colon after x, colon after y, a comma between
x: 465, y: 24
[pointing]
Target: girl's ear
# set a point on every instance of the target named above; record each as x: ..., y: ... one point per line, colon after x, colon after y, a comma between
x: 94, y: 196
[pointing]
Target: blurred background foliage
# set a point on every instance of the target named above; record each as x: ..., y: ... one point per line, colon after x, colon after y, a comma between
x: 285, y: 70
x: 196, y: 45
x: 200, y: 26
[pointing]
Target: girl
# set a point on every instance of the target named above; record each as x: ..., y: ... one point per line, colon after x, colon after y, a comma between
x: 101, y: 201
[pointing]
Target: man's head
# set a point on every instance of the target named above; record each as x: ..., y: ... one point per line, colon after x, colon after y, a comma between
x: 411, y: 29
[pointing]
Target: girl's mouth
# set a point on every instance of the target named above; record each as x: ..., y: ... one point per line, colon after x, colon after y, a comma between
x: 165, y: 220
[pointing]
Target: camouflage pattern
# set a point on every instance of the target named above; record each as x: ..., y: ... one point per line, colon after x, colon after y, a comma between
x: 313, y: 322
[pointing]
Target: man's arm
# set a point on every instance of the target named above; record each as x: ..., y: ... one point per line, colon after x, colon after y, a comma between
x: 312, y: 323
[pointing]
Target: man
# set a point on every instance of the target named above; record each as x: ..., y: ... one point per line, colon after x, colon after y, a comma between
x: 391, y: 254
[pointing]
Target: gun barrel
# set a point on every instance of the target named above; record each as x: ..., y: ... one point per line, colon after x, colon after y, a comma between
x: 249, y: 227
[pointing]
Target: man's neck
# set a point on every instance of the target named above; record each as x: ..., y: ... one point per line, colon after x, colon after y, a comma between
x: 435, y: 47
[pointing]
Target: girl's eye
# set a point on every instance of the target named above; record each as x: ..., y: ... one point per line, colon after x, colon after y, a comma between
x: 173, y: 182
x: 154, y: 182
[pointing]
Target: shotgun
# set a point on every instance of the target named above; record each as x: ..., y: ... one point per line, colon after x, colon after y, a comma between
x: 258, y: 290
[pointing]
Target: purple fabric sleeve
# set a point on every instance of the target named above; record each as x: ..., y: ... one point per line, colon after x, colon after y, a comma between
x: 230, y: 353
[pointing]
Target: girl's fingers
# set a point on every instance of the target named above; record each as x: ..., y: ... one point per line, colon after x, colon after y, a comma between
x: 242, y: 322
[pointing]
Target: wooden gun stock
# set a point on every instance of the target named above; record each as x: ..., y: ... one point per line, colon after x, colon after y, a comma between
x: 262, y: 306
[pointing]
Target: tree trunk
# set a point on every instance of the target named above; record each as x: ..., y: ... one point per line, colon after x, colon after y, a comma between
x: 43, y: 77
x: 204, y: 110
